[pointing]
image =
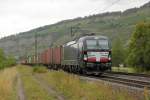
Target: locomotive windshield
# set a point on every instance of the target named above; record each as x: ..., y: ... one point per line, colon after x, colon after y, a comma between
x: 97, y: 44
x: 103, y: 44
x: 91, y: 44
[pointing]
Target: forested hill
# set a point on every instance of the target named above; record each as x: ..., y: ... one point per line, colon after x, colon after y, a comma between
x: 114, y: 24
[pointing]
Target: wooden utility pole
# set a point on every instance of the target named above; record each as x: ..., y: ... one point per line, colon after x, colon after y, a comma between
x: 18, y: 47
x: 36, y: 47
x: 71, y: 31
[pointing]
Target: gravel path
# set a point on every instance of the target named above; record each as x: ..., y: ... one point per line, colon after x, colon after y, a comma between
x: 21, y: 93
x: 47, y: 87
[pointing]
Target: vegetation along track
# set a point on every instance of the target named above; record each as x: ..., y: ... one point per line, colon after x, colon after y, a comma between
x: 130, y: 79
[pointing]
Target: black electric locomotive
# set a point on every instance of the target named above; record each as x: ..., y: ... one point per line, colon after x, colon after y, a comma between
x: 88, y: 54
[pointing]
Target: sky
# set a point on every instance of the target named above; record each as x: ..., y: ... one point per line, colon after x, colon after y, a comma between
x: 22, y: 15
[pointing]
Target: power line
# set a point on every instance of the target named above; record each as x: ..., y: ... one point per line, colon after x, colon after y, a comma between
x: 113, y: 3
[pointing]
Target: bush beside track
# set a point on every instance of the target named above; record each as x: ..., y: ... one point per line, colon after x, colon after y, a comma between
x: 6, y: 61
x: 39, y: 69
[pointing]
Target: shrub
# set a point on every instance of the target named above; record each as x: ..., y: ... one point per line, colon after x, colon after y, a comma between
x: 39, y: 69
x: 6, y: 61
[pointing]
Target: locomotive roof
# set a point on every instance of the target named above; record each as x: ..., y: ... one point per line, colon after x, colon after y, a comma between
x: 92, y: 37
x: 86, y: 37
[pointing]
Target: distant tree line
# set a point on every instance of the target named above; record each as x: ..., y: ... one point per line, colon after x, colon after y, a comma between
x: 6, y: 61
x: 137, y: 52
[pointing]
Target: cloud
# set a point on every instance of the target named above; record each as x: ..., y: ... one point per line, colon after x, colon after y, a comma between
x: 22, y: 15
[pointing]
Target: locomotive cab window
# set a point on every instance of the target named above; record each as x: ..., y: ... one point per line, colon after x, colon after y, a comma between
x: 91, y: 44
x: 103, y: 44
x: 97, y: 44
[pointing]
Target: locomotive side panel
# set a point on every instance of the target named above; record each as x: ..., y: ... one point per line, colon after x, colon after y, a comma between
x: 70, y: 54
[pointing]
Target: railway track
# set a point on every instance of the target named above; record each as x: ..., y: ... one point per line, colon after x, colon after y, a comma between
x: 140, y: 81
x: 133, y: 81
x: 131, y: 74
x: 129, y: 79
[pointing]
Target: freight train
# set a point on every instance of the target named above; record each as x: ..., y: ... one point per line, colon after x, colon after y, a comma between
x: 87, y: 55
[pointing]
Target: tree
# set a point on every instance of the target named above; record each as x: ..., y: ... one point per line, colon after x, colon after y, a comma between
x: 118, y: 52
x: 10, y: 61
x: 139, y: 46
x: 6, y: 61
x: 2, y: 59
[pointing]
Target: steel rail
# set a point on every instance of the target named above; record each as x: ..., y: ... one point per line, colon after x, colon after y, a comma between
x: 131, y: 74
x: 127, y: 81
x: 133, y: 80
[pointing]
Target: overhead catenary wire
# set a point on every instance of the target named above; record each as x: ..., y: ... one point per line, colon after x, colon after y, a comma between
x: 113, y: 3
x: 78, y: 28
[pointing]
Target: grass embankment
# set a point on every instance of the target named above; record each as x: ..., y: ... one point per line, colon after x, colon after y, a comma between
x: 33, y: 90
x: 124, y: 69
x: 8, y: 84
x: 130, y: 70
x: 72, y: 87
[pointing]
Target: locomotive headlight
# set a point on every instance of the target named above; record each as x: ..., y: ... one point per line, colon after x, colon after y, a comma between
x: 109, y: 58
x: 85, y: 57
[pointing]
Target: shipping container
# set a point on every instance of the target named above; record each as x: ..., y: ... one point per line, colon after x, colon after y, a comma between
x: 44, y: 57
x: 48, y: 56
x: 57, y: 55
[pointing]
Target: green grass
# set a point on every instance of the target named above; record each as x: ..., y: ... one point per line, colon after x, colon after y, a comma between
x: 71, y: 87
x: 124, y: 69
x: 130, y: 70
x: 146, y: 94
x: 8, y: 84
x: 33, y: 90
x: 76, y: 89
x: 39, y: 69
x: 68, y: 85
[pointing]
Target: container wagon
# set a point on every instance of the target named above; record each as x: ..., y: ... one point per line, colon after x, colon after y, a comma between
x: 88, y: 55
